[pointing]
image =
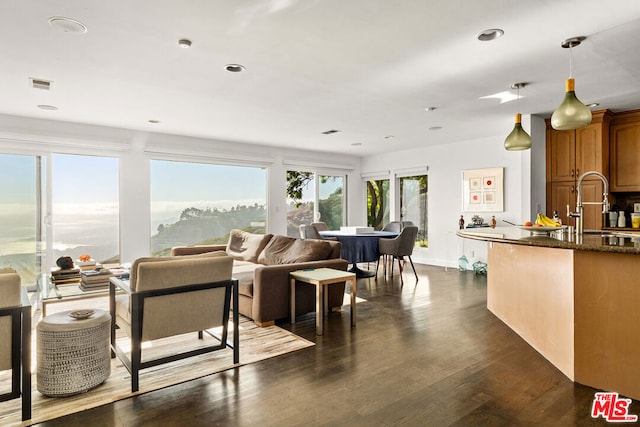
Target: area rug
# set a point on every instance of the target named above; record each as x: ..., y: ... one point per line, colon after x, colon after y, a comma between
x: 256, y: 344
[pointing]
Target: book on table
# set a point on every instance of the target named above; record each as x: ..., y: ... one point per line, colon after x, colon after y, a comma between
x: 99, y: 278
x: 69, y: 275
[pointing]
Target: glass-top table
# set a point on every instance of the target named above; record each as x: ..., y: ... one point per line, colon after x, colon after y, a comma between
x: 50, y: 292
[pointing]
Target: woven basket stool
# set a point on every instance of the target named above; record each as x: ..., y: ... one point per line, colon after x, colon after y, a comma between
x: 73, y: 354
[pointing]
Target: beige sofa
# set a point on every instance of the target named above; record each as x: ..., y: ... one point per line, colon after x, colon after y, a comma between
x: 262, y: 263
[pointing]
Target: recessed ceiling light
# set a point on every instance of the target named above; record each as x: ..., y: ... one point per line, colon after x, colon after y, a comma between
x: 389, y: 137
x: 184, y: 43
x: 234, y: 68
x: 491, y: 34
x: 356, y: 144
x: 435, y: 128
x: 67, y: 25
x: 593, y: 105
x: 47, y: 107
x: 330, y: 131
x: 154, y: 121
x: 430, y: 108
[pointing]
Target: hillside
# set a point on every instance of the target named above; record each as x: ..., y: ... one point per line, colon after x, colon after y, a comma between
x: 207, y: 226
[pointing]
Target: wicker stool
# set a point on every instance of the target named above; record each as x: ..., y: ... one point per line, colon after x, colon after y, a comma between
x: 73, y: 354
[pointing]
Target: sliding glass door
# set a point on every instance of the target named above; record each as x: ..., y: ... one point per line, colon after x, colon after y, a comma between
x: 85, y: 207
x: 20, y: 232
x: 413, y: 204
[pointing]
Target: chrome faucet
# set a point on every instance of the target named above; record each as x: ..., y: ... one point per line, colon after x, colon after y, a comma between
x: 579, y: 213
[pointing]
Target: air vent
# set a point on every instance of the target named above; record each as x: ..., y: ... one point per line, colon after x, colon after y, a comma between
x: 40, y: 84
x: 329, y: 132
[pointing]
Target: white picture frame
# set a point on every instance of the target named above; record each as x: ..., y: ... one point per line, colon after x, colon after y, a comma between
x: 483, y: 190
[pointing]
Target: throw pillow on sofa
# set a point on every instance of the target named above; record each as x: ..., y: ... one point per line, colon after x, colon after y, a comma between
x: 288, y: 250
x: 244, y: 246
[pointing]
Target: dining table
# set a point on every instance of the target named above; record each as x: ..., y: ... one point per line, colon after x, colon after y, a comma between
x: 359, y: 247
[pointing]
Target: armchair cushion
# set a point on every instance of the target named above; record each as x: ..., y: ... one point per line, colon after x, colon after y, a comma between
x: 176, y: 313
x: 9, y: 288
x: 9, y: 297
x: 136, y: 264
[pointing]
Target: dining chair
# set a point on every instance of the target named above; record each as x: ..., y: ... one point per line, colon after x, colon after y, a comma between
x: 309, y: 231
x: 398, y: 248
x: 393, y: 226
x: 320, y: 226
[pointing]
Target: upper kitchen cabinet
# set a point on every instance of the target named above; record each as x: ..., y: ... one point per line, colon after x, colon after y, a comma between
x: 571, y: 153
x: 625, y: 152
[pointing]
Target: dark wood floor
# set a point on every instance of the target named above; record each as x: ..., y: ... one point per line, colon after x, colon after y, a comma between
x: 429, y: 354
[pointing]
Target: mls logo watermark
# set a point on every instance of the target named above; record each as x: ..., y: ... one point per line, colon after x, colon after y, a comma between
x: 612, y: 408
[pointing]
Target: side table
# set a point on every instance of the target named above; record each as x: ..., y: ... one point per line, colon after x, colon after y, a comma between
x: 321, y: 277
x: 73, y: 355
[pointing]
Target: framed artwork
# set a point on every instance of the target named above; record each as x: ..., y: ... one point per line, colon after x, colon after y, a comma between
x: 483, y: 190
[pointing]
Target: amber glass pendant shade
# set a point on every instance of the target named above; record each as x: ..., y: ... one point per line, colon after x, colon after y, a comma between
x: 571, y: 114
x: 518, y: 139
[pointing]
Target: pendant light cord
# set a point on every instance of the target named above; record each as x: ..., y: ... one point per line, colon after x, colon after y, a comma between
x: 570, y: 61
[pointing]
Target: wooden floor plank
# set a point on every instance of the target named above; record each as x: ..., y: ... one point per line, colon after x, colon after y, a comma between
x: 421, y: 354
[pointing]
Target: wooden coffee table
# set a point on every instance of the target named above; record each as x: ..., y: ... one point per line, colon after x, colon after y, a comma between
x: 322, y: 277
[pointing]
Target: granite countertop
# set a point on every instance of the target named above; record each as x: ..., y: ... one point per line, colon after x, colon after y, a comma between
x: 601, y: 241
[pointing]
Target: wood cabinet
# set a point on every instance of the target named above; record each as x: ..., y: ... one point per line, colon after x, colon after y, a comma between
x: 570, y: 154
x: 625, y: 151
x: 564, y: 193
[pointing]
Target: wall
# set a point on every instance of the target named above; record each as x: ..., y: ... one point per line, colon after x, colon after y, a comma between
x: 20, y: 135
x: 445, y: 165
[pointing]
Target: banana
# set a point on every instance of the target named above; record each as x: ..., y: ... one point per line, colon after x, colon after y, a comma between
x: 545, y: 221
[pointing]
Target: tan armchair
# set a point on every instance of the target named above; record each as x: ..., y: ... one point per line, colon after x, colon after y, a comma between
x: 15, y: 345
x: 172, y: 296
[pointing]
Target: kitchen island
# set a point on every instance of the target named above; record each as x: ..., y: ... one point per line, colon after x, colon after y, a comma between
x: 575, y: 299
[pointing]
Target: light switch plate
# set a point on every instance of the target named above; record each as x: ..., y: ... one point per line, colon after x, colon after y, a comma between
x: 636, y: 207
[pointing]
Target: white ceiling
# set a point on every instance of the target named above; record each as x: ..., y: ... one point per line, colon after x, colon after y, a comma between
x: 365, y: 67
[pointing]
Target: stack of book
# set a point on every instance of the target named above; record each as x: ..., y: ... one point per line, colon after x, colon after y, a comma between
x: 89, y: 264
x: 95, y: 279
x: 69, y: 275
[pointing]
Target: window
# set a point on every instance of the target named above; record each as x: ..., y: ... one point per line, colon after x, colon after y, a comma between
x: 199, y: 203
x: 378, y: 203
x: 312, y: 197
x: 19, y: 218
x: 85, y: 207
x: 413, y: 204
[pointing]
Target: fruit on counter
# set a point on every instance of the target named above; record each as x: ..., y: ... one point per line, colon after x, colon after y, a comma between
x: 528, y: 224
x: 84, y: 257
x: 544, y: 221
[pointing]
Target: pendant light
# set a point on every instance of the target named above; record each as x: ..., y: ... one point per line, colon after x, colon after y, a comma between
x: 518, y: 139
x: 571, y: 114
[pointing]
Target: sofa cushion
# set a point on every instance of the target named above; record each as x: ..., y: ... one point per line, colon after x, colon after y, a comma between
x: 243, y: 272
x: 288, y: 250
x: 245, y: 246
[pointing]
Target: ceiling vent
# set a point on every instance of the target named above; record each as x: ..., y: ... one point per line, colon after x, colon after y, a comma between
x: 40, y: 84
